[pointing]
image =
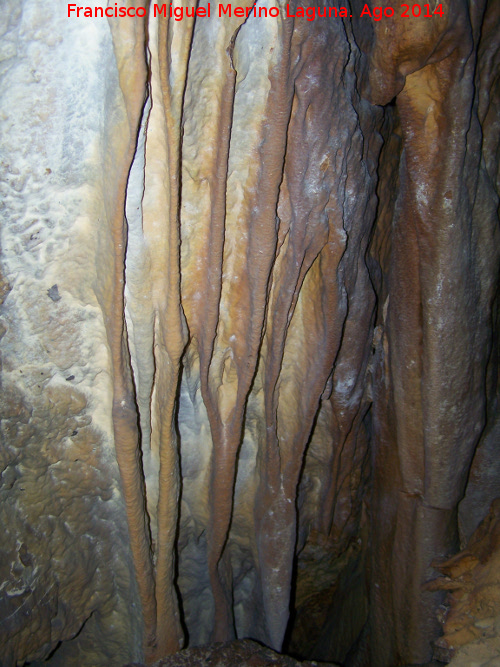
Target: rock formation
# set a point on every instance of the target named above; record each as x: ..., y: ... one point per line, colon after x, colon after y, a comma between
x: 236, y: 653
x: 249, y: 327
x: 473, y: 579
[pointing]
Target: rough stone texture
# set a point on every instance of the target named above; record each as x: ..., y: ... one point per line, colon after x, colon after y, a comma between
x: 242, y: 653
x: 471, y: 612
x: 435, y: 397
x: 65, y: 561
x: 250, y: 328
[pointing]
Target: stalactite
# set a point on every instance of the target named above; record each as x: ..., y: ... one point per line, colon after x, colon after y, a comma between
x: 433, y: 223
x: 236, y: 364
x: 203, y: 323
x: 170, y: 343
x: 124, y: 414
x: 290, y: 269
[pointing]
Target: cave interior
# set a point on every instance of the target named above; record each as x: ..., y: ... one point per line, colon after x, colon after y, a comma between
x: 249, y: 333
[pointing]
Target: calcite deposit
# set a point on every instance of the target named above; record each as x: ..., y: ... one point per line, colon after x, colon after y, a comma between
x: 472, y: 578
x: 249, y: 328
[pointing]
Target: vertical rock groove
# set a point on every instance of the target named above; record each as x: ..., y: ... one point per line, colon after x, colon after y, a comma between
x: 170, y: 345
x: 275, y: 291
x: 308, y: 239
x: 133, y: 85
x: 203, y: 325
x: 438, y: 402
x: 235, y: 363
x: 249, y: 293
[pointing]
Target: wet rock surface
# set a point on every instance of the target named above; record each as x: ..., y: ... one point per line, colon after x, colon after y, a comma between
x: 249, y: 333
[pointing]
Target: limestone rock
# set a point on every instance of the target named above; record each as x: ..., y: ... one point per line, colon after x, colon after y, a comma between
x: 65, y: 561
x: 471, y: 612
x: 249, y: 327
x: 242, y: 653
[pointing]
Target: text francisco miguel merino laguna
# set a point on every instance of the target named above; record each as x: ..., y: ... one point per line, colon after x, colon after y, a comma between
x: 178, y: 13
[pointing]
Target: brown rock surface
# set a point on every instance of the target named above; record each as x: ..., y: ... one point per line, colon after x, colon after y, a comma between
x: 249, y: 329
x: 471, y: 612
x: 434, y: 355
x: 239, y: 653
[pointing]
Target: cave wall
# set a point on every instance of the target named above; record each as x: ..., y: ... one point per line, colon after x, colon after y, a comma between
x: 249, y: 328
x: 436, y: 338
x: 66, y: 564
